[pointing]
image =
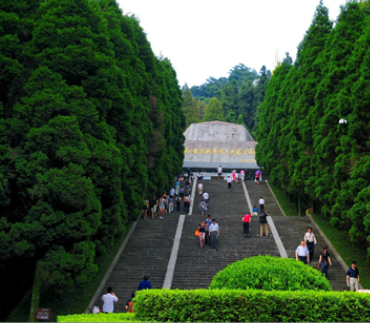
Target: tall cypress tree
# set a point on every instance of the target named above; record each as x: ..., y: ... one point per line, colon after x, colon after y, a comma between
x: 83, y: 98
x: 303, y: 117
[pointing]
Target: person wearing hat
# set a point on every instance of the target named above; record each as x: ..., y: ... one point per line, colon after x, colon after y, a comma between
x: 145, y: 284
x: 214, y: 233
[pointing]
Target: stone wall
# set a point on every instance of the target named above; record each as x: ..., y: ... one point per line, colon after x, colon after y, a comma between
x: 210, y: 144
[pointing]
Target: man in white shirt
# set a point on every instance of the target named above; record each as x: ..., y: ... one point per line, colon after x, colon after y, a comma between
x: 219, y: 171
x: 109, y: 299
x: 262, y: 204
x: 310, y: 239
x: 206, y: 198
x: 214, y: 233
x: 302, y: 253
x: 172, y: 192
x: 200, y: 188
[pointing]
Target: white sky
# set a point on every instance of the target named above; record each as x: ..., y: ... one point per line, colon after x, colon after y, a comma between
x: 206, y: 38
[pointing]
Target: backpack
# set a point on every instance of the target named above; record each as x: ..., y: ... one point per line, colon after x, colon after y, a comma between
x: 262, y: 218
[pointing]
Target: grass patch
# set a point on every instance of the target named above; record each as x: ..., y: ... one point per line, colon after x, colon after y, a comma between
x: 284, y: 201
x: 70, y: 303
x: 345, y: 248
x: 112, y: 317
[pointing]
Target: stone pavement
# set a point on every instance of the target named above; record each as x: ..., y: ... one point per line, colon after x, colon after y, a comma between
x: 196, y: 267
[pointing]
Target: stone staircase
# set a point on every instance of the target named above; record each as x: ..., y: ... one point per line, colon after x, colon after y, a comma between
x: 147, y: 253
x: 256, y: 191
x: 196, y: 267
x: 292, y: 230
x: 149, y: 248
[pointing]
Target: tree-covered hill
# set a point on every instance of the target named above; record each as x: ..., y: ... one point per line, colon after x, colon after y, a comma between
x: 301, y: 143
x: 239, y: 95
x: 91, y: 123
x: 212, y: 85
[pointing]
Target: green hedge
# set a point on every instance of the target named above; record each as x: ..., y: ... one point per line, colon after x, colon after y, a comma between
x: 270, y: 273
x: 251, y: 305
x: 114, y: 317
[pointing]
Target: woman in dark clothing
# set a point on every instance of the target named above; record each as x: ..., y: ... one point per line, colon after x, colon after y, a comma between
x: 324, y: 261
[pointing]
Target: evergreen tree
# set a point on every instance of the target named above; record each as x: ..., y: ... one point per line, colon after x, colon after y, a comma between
x: 91, y: 122
x: 192, y: 114
x: 214, y: 111
x: 301, y: 144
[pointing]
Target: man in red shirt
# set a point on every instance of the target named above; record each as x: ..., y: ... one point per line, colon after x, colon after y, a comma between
x: 246, y: 219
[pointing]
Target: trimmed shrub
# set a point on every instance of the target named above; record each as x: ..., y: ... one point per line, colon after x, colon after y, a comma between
x: 270, y: 273
x: 113, y: 317
x: 251, y: 306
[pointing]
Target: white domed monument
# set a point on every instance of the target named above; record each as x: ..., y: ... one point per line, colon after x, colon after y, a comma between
x: 210, y: 144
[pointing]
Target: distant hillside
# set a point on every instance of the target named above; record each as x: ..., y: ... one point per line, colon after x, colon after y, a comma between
x: 234, y: 99
x: 212, y: 85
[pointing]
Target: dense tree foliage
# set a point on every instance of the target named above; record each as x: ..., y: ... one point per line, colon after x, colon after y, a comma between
x: 240, y: 96
x: 91, y: 122
x: 301, y: 143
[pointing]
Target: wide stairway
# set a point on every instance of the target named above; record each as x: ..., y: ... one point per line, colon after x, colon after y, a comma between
x: 262, y: 190
x: 149, y: 248
x: 292, y: 230
x: 195, y: 266
x: 147, y: 253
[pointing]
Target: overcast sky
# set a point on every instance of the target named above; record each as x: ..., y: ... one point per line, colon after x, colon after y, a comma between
x: 204, y: 38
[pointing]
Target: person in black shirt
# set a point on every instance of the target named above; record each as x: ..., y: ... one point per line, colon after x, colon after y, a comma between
x: 353, y: 277
x: 324, y: 261
x: 264, y: 227
x: 153, y: 206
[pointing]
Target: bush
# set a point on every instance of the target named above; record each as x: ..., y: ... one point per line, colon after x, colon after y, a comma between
x: 251, y: 306
x: 270, y: 273
x: 114, y: 317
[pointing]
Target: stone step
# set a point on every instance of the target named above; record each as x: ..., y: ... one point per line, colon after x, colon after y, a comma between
x: 196, y: 267
x: 147, y: 253
x: 292, y: 230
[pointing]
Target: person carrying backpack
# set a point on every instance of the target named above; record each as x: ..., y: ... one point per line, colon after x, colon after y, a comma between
x: 264, y: 227
x: 202, y: 207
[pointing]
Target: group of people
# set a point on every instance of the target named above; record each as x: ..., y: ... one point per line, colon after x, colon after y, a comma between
x: 262, y: 219
x: 208, y: 232
x: 110, y: 297
x: 305, y: 253
x: 158, y: 206
x: 235, y: 176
